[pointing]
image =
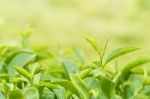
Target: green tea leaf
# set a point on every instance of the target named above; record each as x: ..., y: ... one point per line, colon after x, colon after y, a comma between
x: 80, y: 86
x: 24, y: 72
x: 16, y: 94
x: 69, y: 67
x: 5, y: 88
x: 31, y: 93
x: 4, y: 76
x: 60, y: 93
x: 119, y: 52
x: 135, y: 82
x: 18, y: 79
x: 84, y: 73
x: 146, y: 90
x: 127, y: 91
x: 79, y: 54
x: 139, y: 96
x: 132, y: 65
x: 67, y: 85
x: 21, y: 60
x: 92, y: 42
x: 48, y: 85
x: 47, y: 94
x: 95, y: 87
x: 25, y: 37
x: 146, y: 80
x: 37, y: 78
x: 42, y: 52
x: 107, y: 85
x: 116, y: 97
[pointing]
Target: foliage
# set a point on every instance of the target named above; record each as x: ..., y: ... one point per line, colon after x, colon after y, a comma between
x: 25, y: 76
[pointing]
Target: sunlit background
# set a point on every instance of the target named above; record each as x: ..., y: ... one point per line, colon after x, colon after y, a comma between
x: 63, y: 22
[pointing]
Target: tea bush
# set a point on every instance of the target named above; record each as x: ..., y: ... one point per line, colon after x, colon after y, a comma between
x: 35, y: 73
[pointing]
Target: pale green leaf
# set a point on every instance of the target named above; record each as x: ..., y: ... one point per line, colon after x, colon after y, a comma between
x: 67, y: 85
x: 92, y: 42
x: 31, y: 93
x: 69, y: 67
x: 2, y: 96
x: 60, y: 93
x: 21, y: 60
x: 80, y: 86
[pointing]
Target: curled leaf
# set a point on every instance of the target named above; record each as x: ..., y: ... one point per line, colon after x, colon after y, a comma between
x: 131, y: 65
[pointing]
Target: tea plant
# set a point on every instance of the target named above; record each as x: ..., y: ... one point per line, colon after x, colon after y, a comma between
x: 34, y: 73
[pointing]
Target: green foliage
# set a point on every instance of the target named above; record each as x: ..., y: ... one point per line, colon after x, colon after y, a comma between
x: 32, y: 73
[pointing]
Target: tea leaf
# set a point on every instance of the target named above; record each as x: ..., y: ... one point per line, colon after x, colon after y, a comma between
x: 84, y: 73
x: 95, y: 87
x: 69, y: 67
x: 48, y: 85
x: 119, y: 52
x: 47, y: 94
x: 107, y: 85
x: 135, y: 83
x: 80, y: 86
x: 146, y: 80
x: 31, y: 93
x: 146, y: 90
x: 79, y: 54
x: 60, y: 93
x: 139, y: 96
x: 134, y: 64
x: 24, y: 72
x: 16, y: 94
x: 92, y: 42
x: 5, y: 88
x: 21, y: 60
x: 67, y: 85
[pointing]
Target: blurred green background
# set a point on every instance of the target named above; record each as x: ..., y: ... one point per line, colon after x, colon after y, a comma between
x: 61, y: 23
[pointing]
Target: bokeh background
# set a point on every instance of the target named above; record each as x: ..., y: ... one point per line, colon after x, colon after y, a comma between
x: 63, y: 22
